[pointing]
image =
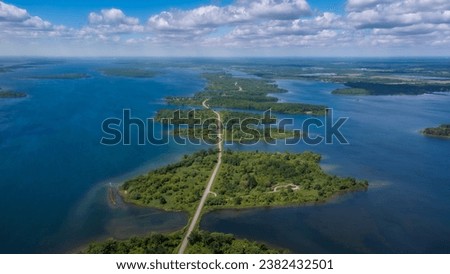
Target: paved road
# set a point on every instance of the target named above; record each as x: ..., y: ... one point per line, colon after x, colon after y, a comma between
x: 208, y: 187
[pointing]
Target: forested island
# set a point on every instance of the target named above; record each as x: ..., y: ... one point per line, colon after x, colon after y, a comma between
x: 370, y: 88
x: 26, y: 65
x: 64, y: 76
x: 200, y: 242
x: 8, y: 94
x: 350, y: 91
x: 195, y: 116
x: 128, y: 72
x: 225, y: 91
x: 246, y: 179
x: 240, y: 127
x: 440, y: 131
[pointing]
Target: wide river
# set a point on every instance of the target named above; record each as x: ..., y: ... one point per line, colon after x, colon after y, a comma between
x: 54, y: 174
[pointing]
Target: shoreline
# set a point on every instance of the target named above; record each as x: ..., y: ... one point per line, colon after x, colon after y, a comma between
x: 112, y: 184
x: 329, y: 200
x: 434, y: 136
x: 104, y: 237
x: 79, y: 249
x: 208, y: 209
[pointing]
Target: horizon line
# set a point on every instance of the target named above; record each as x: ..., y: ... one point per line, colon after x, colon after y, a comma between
x: 230, y: 57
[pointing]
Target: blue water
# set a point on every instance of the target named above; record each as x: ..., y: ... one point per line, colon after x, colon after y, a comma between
x: 54, y: 174
x: 405, y: 210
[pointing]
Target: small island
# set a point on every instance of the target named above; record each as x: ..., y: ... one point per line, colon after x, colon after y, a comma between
x: 440, y: 131
x: 8, y: 94
x: 64, y: 76
x: 128, y: 72
x: 350, y: 91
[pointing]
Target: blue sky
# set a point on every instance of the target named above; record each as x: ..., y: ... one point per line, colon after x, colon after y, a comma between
x: 56, y: 12
x: 225, y: 28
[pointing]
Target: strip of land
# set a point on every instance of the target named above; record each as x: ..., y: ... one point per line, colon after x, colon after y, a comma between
x: 207, y: 191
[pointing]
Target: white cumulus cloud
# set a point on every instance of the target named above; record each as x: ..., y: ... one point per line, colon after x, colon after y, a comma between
x: 401, y: 22
x: 207, y: 18
x: 109, y: 24
x: 18, y: 23
x: 10, y: 13
x: 271, y: 25
x: 111, y: 17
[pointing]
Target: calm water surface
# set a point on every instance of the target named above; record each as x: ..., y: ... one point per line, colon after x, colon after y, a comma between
x: 54, y: 173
